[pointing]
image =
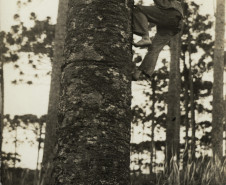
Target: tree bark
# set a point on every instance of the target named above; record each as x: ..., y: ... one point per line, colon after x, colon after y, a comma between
x: 93, y: 130
x: 173, y: 113
x: 50, y: 133
x: 218, y: 108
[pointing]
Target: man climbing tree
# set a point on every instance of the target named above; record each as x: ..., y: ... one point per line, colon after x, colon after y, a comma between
x: 168, y: 16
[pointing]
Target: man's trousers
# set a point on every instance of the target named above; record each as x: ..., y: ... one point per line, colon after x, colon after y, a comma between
x: 166, y: 21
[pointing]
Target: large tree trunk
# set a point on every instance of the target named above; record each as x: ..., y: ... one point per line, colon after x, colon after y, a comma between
x: 50, y: 135
x: 173, y: 113
x: 93, y: 131
x: 218, y: 108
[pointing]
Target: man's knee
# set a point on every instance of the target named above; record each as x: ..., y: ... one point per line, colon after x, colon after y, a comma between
x: 137, y: 9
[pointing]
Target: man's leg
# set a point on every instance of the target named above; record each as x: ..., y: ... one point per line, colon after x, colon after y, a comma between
x: 150, y: 59
x: 140, y: 27
x: 142, y: 15
x: 140, y: 22
x: 147, y: 66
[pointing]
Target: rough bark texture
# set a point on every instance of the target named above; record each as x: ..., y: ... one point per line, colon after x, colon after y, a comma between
x: 173, y: 113
x: 50, y: 135
x: 218, y: 107
x: 93, y: 132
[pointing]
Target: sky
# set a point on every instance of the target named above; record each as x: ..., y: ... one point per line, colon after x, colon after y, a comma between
x: 15, y: 103
x: 24, y: 99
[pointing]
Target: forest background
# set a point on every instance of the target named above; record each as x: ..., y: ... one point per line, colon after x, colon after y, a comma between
x: 27, y: 83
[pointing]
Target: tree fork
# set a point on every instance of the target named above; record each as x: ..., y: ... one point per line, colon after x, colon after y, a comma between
x: 93, y: 132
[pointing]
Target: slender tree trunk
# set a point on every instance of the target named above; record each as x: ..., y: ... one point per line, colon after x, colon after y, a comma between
x: 152, y: 146
x: 224, y: 127
x: 218, y: 108
x: 173, y: 113
x: 140, y: 159
x: 50, y: 135
x: 1, y: 107
x: 1, y: 110
x: 1, y: 98
x: 193, y: 124
x: 93, y: 130
x: 186, y: 100
x: 15, y: 146
x: 37, y: 172
x: 37, y: 178
x: 1, y: 103
x: 192, y: 106
x: 153, y: 125
x: 39, y: 146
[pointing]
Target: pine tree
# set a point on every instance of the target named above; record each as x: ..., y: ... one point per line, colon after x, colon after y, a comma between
x: 173, y: 101
x: 218, y: 107
x: 93, y: 130
x: 192, y: 103
x: 50, y: 135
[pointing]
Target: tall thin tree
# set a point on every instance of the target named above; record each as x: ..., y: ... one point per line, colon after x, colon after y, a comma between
x: 186, y: 119
x: 218, y: 107
x: 93, y: 130
x: 192, y: 103
x: 173, y: 113
x: 1, y: 99
x: 153, y: 85
x: 50, y: 134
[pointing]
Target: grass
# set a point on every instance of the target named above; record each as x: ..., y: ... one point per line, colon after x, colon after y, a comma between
x: 211, y: 172
x: 200, y: 172
x: 17, y: 176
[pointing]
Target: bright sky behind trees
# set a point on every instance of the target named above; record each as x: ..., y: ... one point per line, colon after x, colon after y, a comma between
x: 33, y: 99
x: 22, y: 99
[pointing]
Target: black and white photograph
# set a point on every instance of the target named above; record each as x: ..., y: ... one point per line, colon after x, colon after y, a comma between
x: 112, y: 92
